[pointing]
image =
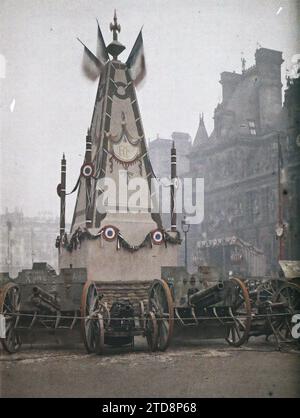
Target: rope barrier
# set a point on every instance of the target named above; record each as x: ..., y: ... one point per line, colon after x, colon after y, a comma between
x: 252, y: 316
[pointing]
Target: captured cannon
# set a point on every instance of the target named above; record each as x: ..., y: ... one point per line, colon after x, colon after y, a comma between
x: 274, y: 303
x: 38, y: 301
x: 113, y: 323
x: 207, y: 305
x: 201, y: 305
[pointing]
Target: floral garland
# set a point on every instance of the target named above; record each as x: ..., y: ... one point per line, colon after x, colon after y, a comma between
x: 80, y: 235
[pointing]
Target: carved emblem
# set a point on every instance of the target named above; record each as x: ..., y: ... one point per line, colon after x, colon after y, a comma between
x: 124, y: 147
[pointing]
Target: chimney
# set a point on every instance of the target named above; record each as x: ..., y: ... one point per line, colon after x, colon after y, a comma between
x: 268, y: 63
x: 268, y: 66
x: 229, y: 82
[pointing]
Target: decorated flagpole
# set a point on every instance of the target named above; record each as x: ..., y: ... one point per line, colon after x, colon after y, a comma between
x: 172, y: 188
x: 88, y: 147
x: 87, y: 172
x: 62, y: 191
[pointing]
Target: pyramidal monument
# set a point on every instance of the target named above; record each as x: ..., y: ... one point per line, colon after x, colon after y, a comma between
x: 116, y: 231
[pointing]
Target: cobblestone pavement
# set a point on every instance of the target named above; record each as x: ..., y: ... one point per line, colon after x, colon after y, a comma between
x: 206, y: 368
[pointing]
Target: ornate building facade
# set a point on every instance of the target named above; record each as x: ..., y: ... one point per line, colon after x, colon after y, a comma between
x: 250, y: 165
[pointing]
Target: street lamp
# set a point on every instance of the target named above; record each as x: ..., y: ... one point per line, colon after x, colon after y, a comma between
x: 185, y: 226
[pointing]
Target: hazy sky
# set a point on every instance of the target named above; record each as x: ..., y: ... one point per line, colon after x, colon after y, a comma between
x: 46, y: 103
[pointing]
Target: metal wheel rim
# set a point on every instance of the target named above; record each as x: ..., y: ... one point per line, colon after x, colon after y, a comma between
x: 151, y: 330
x: 164, y: 312
x: 238, y: 332
x: 89, y: 320
x: 12, y: 343
x: 283, y: 325
x: 271, y: 287
x: 142, y: 315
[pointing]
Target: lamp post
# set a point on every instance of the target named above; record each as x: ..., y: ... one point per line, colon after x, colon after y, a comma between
x: 280, y: 229
x: 185, y: 226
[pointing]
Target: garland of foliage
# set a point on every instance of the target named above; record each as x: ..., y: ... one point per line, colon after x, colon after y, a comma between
x: 80, y: 235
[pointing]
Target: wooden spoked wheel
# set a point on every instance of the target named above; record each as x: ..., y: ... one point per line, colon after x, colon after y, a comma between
x: 281, y: 322
x: 151, y: 331
x: 240, y: 312
x: 161, y: 303
x: 9, y: 307
x: 92, y: 323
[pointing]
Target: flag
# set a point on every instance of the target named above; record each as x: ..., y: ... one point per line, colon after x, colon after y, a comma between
x: 102, y: 54
x: 136, y: 61
x: 91, y: 65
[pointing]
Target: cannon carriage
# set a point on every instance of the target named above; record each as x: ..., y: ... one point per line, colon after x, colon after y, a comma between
x: 274, y: 303
x: 205, y: 305
x: 113, y: 314
x: 40, y: 301
x: 107, y: 320
x: 200, y: 305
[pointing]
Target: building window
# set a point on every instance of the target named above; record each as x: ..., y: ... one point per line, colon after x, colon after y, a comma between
x: 252, y: 127
x: 253, y: 212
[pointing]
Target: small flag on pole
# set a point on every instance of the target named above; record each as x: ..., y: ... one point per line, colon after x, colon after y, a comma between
x: 102, y: 54
x: 136, y: 61
x: 91, y: 65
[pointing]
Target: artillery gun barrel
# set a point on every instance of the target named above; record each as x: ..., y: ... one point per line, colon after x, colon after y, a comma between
x: 207, y: 297
x: 42, y: 298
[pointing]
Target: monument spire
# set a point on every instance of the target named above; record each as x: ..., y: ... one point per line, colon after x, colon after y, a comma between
x: 116, y: 154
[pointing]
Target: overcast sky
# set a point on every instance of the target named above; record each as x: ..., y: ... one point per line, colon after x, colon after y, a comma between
x: 46, y: 103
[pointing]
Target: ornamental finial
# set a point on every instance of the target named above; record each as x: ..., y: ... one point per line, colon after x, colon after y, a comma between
x: 115, y: 27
